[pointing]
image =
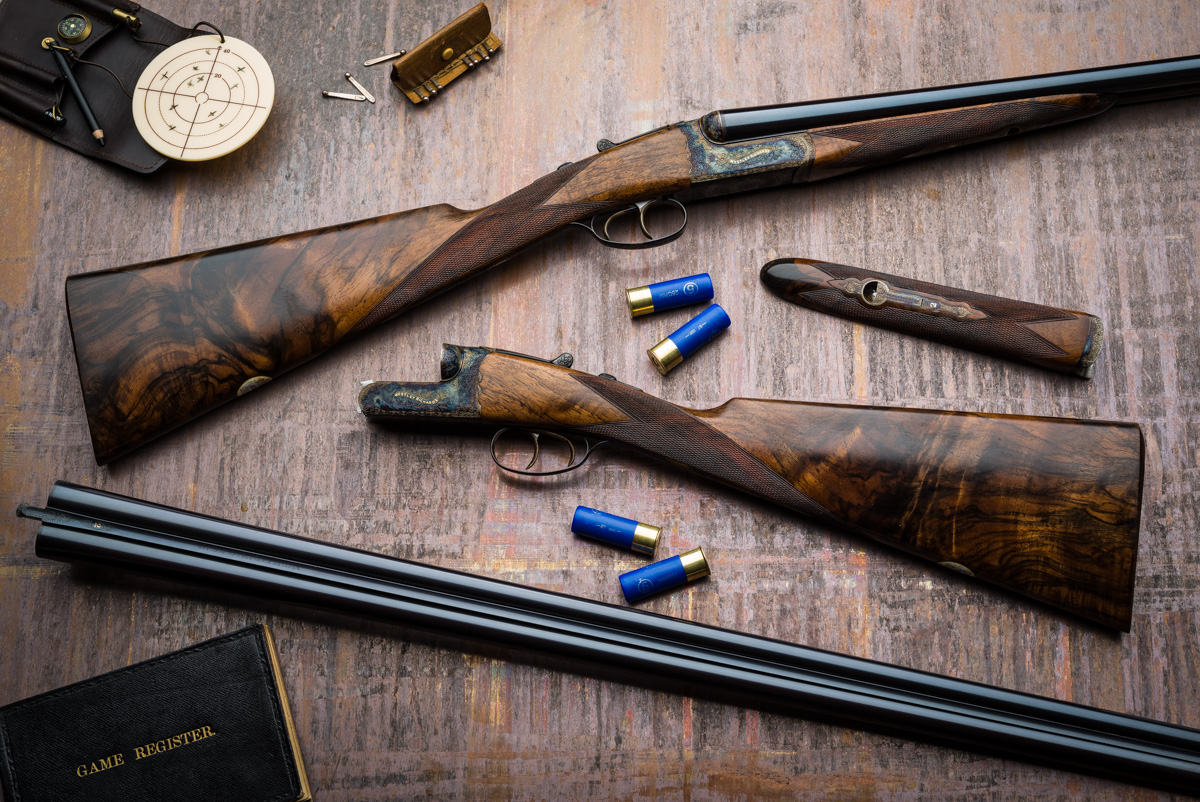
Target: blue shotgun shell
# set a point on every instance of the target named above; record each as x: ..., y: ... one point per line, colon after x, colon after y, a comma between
x: 669, y: 294
x: 686, y: 340
x: 664, y: 575
x: 608, y: 528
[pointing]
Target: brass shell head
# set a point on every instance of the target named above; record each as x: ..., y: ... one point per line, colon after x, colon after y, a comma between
x: 695, y: 564
x: 639, y: 300
x: 645, y: 538
x: 665, y: 356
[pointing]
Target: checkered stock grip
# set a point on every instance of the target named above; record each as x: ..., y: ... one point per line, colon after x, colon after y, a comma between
x: 497, y: 232
x: 1047, y: 507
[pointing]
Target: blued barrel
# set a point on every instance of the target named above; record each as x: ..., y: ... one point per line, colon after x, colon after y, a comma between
x: 1130, y: 83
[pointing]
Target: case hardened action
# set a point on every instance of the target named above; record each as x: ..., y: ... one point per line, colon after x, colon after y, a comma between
x: 91, y: 526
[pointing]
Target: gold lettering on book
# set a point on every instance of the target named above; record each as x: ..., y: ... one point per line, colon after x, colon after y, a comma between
x: 174, y: 742
x: 103, y: 764
x: 139, y: 752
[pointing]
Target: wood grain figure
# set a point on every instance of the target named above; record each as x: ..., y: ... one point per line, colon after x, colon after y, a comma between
x: 1048, y: 507
x: 178, y: 337
x: 1098, y: 215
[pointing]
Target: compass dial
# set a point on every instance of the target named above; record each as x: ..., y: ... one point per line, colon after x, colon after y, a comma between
x: 74, y: 29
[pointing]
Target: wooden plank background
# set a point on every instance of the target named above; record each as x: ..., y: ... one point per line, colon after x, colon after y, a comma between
x: 1102, y: 215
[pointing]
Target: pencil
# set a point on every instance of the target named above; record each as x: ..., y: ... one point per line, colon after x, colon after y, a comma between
x: 53, y: 46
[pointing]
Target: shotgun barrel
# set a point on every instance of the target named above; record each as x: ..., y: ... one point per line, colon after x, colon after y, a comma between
x: 1127, y: 83
x: 83, y: 525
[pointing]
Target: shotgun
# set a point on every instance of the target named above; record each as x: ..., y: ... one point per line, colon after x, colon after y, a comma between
x: 1047, y: 507
x: 160, y: 343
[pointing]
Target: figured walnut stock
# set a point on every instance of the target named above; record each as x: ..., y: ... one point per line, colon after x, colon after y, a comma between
x: 1047, y: 507
x: 160, y: 343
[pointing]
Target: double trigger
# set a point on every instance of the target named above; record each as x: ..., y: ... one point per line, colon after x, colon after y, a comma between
x: 574, y: 457
x: 599, y: 224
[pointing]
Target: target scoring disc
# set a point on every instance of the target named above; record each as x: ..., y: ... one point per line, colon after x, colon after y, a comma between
x: 203, y: 98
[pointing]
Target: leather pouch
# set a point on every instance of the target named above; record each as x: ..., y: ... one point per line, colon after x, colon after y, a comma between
x: 209, y: 722
x: 30, y: 81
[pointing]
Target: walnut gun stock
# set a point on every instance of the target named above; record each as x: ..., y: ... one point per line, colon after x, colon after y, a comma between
x: 1061, y: 340
x: 1047, y: 507
x: 160, y: 343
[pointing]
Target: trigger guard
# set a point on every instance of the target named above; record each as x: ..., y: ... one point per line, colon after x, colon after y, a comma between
x: 641, y: 206
x: 644, y: 205
x: 571, y: 465
x: 619, y: 212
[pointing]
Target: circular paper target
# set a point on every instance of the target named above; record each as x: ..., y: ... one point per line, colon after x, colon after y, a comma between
x: 203, y: 98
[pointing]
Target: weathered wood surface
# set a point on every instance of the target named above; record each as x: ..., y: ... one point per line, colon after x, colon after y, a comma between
x: 1100, y: 216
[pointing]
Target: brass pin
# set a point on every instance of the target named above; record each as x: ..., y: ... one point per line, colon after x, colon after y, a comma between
x: 361, y: 89
x: 371, y: 62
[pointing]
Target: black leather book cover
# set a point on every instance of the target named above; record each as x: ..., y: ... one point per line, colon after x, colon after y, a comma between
x: 209, y: 723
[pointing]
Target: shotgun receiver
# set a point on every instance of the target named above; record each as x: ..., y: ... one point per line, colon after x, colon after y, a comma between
x: 160, y: 343
x: 1048, y: 507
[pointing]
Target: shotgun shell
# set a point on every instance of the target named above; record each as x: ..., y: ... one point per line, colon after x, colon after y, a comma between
x: 688, y: 338
x: 669, y: 294
x: 664, y: 575
x: 609, y: 528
